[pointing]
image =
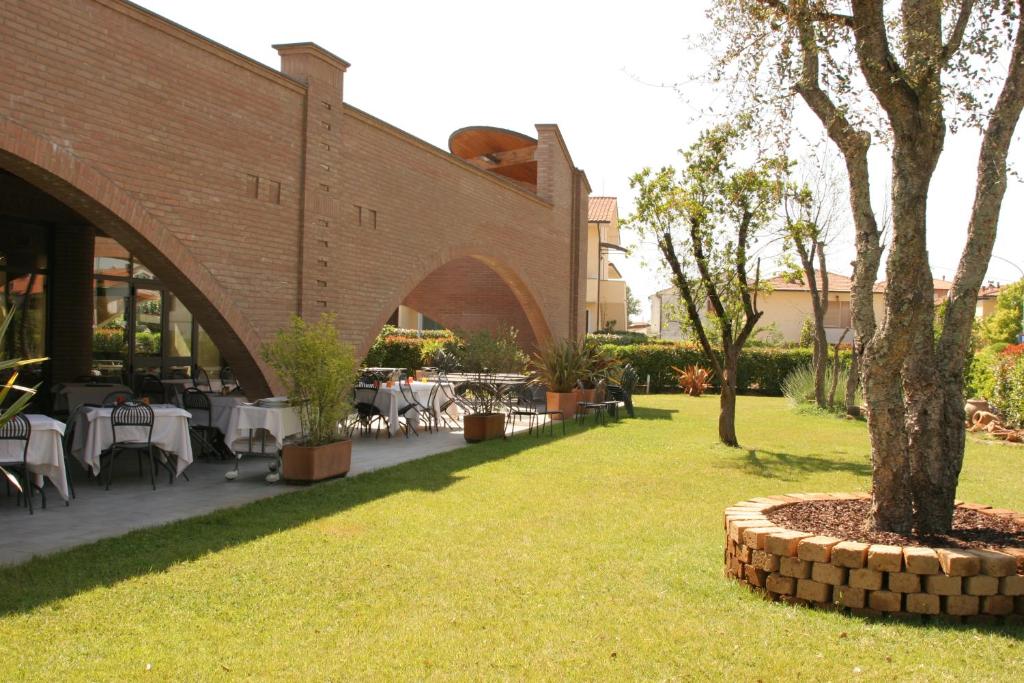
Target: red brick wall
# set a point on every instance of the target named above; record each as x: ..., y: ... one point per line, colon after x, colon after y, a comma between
x: 256, y: 195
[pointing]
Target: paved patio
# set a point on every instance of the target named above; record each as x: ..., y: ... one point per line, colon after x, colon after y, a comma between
x: 131, y: 504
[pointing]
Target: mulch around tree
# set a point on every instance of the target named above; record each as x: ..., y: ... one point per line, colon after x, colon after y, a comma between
x: 848, y: 520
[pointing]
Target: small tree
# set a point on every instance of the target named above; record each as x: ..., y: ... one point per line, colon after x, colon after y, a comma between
x: 705, y: 220
x: 318, y: 370
x: 903, y: 73
x: 1005, y: 322
x: 632, y: 306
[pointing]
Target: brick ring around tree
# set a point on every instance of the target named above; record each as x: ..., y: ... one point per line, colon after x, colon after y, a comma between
x: 947, y: 584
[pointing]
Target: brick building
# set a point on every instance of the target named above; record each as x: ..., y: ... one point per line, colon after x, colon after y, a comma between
x: 156, y: 183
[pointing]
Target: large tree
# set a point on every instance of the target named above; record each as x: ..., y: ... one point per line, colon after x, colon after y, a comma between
x: 900, y: 73
x: 705, y: 220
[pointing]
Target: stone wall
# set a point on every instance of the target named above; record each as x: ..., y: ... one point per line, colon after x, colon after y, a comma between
x: 871, y: 579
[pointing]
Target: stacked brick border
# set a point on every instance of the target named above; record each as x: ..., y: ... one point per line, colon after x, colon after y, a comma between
x: 869, y: 579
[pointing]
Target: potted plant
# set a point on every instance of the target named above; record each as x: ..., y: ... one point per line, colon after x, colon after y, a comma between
x: 559, y: 366
x: 318, y: 370
x: 485, y: 354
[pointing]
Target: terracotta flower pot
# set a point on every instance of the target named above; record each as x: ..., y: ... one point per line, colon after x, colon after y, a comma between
x: 307, y: 464
x: 481, y: 427
x: 563, y: 402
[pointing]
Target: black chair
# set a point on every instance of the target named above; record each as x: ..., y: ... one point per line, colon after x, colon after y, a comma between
x: 195, y: 401
x: 530, y: 402
x: 365, y: 403
x: 411, y: 405
x: 111, y: 399
x: 623, y: 391
x: 228, y: 379
x: 150, y: 386
x: 18, y: 428
x: 449, y: 398
x: 69, y: 441
x: 132, y: 416
x: 200, y: 379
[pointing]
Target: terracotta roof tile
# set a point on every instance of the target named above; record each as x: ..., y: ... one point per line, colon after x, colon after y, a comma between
x: 602, y: 209
x: 836, y: 283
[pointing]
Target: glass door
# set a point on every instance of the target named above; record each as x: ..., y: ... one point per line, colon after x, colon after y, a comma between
x: 147, y: 331
x: 177, y: 362
x: 111, y: 310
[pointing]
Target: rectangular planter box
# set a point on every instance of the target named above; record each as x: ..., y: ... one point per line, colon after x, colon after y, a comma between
x: 566, y: 403
x: 307, y: 464
x: 479, y: 427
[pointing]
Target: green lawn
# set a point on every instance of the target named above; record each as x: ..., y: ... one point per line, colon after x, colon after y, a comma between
x: 594, y: 556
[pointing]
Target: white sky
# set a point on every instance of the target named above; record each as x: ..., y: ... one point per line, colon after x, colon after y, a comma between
x: 593, y: 68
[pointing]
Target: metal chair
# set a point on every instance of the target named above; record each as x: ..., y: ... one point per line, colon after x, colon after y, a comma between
x: 111, y: 399
x: 530, y: 402
x: 132, y: 416
x: 411, y: 405
x: 150, y: 386
x: 365, y: 403
x: 449, y: 398
x: 228, y: 379
x: 18, y: 428
x: 623, y: 391
x: 201, y: 379
x: 195, y: 401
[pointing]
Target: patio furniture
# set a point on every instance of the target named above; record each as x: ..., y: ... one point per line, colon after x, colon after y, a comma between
x: 70, y: 395
x: 227, y: 379
x: 623, y: 391
x: 201, y: 380
x: 19, y: 429
x: 170, y: 436
x: 446, y: 399
x: 132, y: 418
x: 151, y: 387
x: 410, y: 405
x: 365, y: 402
x: 530, y: 402
x: 195, y: 401
x: 112, y: 398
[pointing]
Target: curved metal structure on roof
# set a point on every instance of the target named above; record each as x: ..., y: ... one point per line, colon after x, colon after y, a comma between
x: 500, y: 151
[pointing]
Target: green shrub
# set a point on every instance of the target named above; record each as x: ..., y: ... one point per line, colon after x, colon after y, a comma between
x: 761, y: 370
x: 395, y: 348
x: 1008, y: 388
x: 980, y: 378
x: 620, y: 338
x: 798, y: 387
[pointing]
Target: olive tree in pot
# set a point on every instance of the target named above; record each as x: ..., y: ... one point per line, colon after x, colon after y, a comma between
x: 318, y: 370
x: 559, y: 366
x: 485, y: 354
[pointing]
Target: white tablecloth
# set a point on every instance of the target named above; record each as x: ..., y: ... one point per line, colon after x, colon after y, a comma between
x: 390, y: 400
x: 70, y: 395
x: 45, y: 452
x: 280, y: 423
x: 93, y: 434
x: 220, y: 409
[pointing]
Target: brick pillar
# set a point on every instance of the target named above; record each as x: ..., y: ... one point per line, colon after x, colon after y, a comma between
x: 320, y: 249
x: 71, y: 300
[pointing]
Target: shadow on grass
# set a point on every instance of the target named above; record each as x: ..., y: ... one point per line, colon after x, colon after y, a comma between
x: 789, y: 467
x: 49, y: 578
x: 651, y: 413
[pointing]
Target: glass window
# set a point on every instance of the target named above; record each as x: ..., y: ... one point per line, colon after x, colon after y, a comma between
x: 140, y: 271
x: 23, y: 247
x: 208, y: 355
x: 109, y: 327
x: 110, y: 259
x: 179, y: 328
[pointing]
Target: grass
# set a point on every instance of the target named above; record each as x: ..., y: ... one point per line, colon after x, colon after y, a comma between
x: 594, y: 556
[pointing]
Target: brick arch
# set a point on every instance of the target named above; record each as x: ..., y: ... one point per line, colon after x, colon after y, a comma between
x: 468, y: 289
x: 58, y: 172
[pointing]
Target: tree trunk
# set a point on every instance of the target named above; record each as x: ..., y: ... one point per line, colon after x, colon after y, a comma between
x: 820, y: 359
x: 727, y: 401
x: 852, y: 382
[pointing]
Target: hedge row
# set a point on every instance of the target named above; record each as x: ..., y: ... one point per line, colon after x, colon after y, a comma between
x: 761, y: 370
x: 400, y: 351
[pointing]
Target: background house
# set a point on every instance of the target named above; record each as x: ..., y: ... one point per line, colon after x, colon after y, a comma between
x: 786, y: 306
x: 606, y: 290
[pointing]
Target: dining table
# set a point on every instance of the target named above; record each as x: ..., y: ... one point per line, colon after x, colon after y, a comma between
x: 390, y: 400
x: 45, y: 452
x: 69, y: 395
x: 92, y: 434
